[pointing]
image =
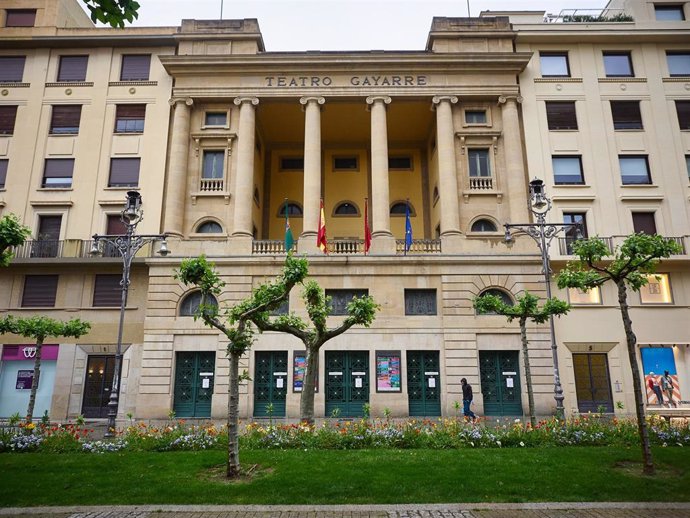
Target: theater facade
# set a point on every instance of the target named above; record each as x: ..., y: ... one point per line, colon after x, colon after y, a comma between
x: 224, y: 140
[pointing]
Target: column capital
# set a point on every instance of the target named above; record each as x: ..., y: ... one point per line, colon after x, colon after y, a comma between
x: 242, y: 100
x: 174, y: 100
x: 374, y: 98
x: 315, y: 98
x: 438, y: 99
x: 505, y: 98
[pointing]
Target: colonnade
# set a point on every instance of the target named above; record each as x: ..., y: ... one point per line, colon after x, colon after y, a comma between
x: 383, y: 241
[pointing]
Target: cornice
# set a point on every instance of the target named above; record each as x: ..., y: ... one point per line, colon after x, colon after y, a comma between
x: 620, y: 32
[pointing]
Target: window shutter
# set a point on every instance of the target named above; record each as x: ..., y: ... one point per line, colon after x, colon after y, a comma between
x: 65, y: 119
x: 561, y: 115
x: 135, y: 67
x: 12, y: 69
x: 72, y: 68
x: 124, y: 172
x: 644, y: 222
x: 8, y: 115
x: 683, y: 110
x: 40, y: 291
x: 58, y: 168
x: 626, y: 115
x: 49, y: 227
x: 3, y: 172
x: 130, y: 111
x: 115, y: 226
x: 107, y: 291
x: 20, y: 18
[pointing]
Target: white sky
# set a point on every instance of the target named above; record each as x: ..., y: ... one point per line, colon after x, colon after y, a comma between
x: 300, y: 25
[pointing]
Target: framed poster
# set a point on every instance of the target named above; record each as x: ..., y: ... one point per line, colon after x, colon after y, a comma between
x: 25, y: 378
x: 656, y: 361
x: 388, y: 371
x: 298, y: 370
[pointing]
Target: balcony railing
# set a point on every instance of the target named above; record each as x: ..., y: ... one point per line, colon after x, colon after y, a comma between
x: 419, y: 246
x: 211, y: 185
x: 270, y: 247
x: 481, y: 183
x: 350, y: 247
x: 39, y: 249
x: 589, y: 16
x: 565, y: 244
x: 346, y: 246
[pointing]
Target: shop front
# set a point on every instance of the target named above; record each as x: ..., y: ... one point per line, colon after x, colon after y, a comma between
x: 16, y: 378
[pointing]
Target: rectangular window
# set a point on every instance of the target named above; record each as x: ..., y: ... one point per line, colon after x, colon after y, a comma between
x: 420, y: 302
x: 669, y: 13
x: 124, y: 172
x: 626, y: 115
x: 293, y: 163
x: 678, y: 63
x: 3, y: 172
x: 687, y: 164
x: 683, y: 111
x: 39, y: 291
x: 618, y: 64
x: 400, y: 163
x: 657, y: 290
x: 554, y: 64
x: 567, y: 170
x: 341, y: 298
x: 8, y: 116
x: 216, y: 119
x: 213, y: 165
x: 107, y: 291
x: 129, y: 118
x: 114, y: 225
x: 576, y: 296
x: 475, y: 117
x: 135, y: 67
x: 58, y: 172
x: 345, y: 163
x: 283, y: 309
x: 47, y: 242
x: 479, y: 162
x: 634, y: 169
x: 20, y: 18
x: 12, y: 69
x: 65, y: 119
x: 561, y: 115
x: 72, y: 68
x: 572, y: 234
x: 644, y: 222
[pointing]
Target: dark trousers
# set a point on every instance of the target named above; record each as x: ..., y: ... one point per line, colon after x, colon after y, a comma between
x: 466, y: 409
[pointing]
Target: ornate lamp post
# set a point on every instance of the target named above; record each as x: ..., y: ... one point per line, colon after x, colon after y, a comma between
x: 127, y: 245
x: 543, y: 233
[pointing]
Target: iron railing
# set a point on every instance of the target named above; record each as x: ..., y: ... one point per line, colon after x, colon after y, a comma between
x: 39, y: 249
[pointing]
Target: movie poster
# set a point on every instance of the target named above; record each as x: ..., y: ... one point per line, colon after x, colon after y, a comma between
x: 655, y: 362
x: 388, y: 373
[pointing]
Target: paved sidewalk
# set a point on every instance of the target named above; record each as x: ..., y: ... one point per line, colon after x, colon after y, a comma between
x: 537, y: 510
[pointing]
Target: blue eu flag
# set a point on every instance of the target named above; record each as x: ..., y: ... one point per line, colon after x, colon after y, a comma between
x: 408, y: 229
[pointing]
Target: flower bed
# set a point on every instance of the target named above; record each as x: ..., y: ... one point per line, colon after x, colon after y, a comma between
x: 442, y: 433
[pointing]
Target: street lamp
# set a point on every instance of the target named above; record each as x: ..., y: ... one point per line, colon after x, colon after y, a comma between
x: 543, y: 233
x: 127, y: 245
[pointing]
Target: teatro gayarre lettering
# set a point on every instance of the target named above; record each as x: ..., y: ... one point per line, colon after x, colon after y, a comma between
x: 321, y: 81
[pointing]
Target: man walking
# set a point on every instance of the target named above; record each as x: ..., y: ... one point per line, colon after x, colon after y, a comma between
x: 467, y: 399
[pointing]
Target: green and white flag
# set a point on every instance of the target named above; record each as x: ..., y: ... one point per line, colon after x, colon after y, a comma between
x: 289, y: 240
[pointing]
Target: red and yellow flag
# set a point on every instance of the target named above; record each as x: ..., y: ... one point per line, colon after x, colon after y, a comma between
x: 367, y: 230
x: 321, y: 236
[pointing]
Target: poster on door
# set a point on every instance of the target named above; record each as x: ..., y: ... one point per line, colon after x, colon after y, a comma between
x: 660, y: 376
x: 388, y: 372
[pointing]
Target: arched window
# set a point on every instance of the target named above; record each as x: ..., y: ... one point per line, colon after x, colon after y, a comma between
x: 346, y: 208
x: 190, y: 303
x: 293, y: 209
x: 504, y: 296
x: 399, y: 208
x: 209, y: 227
x: 483, y: 225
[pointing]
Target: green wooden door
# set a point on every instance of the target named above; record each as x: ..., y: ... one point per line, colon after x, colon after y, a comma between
x: 194, y: 373
x: 347, y: 382
x: 499, y: 373
x: 270, y: 383
x: 423, y: 383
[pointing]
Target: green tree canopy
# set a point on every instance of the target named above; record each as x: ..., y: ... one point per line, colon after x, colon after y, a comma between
x: 113, y: 12
x: 12, y: 233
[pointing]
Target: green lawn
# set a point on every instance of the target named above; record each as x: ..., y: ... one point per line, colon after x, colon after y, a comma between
x: 332, y: 477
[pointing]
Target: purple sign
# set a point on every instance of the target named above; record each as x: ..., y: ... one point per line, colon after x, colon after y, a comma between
x: 24, y: 379
x: 28, y: 352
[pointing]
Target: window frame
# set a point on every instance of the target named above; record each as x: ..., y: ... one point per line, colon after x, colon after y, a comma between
x: 282, y: 160
x: 18, y: 66
x: 57, y: 185
x: 299, y: 213
x: 63, y: 59
x: 634, y: 157
x: 9, y: 115
x: 482, y: 220
x: 552, y: 121
x: 10, y: 13
x: 683, y: 114
x: 62, y: 111
x: 394, y: 157
x: 667, y: 283
x: 215, y: 112
x: 684, y: 72
x: 426, y: 291
x: 355, y: 214
x: 640, y: 214
x: 359, y: 292
x: 197, y: 229
x: 492, y: 290
x: 669, y: 8
x: 102, y: 300
x: 618, y: 53
x: 125, y: 185
x: 633, y: 120
x: 483, y: 111
x: 336, y: 169
x: 187, y: 296
x: 51, y: 298
x: 555, y: 158
x: 123, y: 65
x: 597, y: 289
x: 475, y: 150
x: 4, y: 168
x: 209, y: 152
x: 126, y: 119
x: 554, y: 54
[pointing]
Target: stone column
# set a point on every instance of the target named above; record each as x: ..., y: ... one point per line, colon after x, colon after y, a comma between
x: 447, y: 174
x: 515, y: 178
x: 244, y: 176
x: 382, y: 240
x: 312, y: 173
x: 177, y: 168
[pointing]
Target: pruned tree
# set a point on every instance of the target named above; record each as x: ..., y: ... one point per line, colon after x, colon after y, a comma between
x: 360, y: 311
x: 113, y: 12
x: 236, y: 325
x: 12, y: 233
x: 39, y: 328
x: 628, y: 266
x: 526, y: 308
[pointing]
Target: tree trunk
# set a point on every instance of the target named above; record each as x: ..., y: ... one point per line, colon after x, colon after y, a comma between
x: 233, y: 470
x: 306, y: 403
x: 34, y: 384
x: 528, y: 371
x: 637, y: 382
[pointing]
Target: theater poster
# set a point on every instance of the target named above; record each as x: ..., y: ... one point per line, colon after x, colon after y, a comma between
x: 655, y: 361
x: 388, y: 372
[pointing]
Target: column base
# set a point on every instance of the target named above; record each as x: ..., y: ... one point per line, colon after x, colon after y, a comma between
x: 382, y: 244
x: 240, y: 244
x: 307, y: 244
x: 451, y: 242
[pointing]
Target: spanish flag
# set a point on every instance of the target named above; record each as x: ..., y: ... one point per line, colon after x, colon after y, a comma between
x: 321, y: 236
x: 367, y: 230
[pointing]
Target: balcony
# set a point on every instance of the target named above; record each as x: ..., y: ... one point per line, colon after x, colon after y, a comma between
x: 481, y: 183
x: 211, y: 185
x: 565, y: 244
x: 589, y: 16
x: 349, y: 247
x: 40, y: 249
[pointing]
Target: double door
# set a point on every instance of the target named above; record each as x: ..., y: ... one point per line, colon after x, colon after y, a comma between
x: 270, y: 383
x: 423, y: 383
x: 499, y: 373
x: 97, y: 386
x: 347, y: 383
x: 592, y: 382
x: 194, y: 374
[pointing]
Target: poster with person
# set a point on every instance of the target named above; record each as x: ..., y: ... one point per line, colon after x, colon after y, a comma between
x: 660, y: 376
